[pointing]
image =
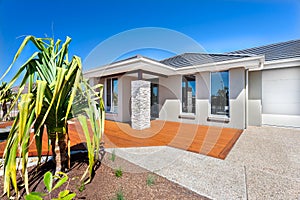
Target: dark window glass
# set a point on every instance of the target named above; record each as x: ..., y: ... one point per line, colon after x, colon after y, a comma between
x: 112, y: 95
x: 154, y: 100
x: 115, y: 94
x: 220, y: 93
x: 108, y: 95
x: 188, y: 94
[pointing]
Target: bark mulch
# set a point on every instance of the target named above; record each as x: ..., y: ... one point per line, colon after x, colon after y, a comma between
x: 105, y: 185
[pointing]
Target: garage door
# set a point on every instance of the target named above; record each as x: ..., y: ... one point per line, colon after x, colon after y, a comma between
x: 281, y: 97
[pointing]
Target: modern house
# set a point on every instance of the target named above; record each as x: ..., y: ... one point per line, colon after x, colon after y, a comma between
x: 251, y: 87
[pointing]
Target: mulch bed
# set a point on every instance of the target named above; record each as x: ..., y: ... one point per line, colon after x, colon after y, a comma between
x: 105, y: 185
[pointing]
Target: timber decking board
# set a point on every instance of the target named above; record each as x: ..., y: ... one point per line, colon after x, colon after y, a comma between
x: 212, y: 141
x: 207, y: 140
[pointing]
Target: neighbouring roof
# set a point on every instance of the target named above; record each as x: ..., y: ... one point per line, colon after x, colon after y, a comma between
x: 190, y: 59
x: 16, y: 89
x: 282, y: 50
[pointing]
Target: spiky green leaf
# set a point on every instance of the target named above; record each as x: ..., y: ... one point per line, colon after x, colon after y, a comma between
x: 63, y: 193
x: 48, y: 181
x: 33, y: 196
x: 69, y: 196
x: 61, y: 182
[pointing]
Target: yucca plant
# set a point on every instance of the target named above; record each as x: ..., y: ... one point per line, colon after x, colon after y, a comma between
x: 53, y: 82
x: 93, y: 119
x: 6, y: 96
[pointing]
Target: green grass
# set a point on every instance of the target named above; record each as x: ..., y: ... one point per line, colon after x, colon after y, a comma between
x: 150, y: 179
x: 120, y: 195
x: 113, y: 156
x: 118, y: 172
x: 81, y: 187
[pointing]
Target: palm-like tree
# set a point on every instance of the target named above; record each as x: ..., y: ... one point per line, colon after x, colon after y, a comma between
x: 5, y: 97
x: 223, y: 95
x: 53, y: 82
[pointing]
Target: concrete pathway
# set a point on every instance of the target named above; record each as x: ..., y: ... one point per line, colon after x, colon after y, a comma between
x: 263, y: 164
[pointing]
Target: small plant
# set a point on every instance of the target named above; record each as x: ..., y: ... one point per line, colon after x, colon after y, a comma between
x: 150, y: 179
x: 113, y: 156
x: 48, y: 181
x: 119, y: 195
x: 81, y: 187
x: 118, y: 172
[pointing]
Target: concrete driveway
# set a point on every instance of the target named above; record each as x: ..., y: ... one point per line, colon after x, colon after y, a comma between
x: 263, y: 164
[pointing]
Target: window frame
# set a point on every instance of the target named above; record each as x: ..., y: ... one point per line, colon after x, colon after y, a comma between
x: 181, y: 105
x: 112, y: 107
x: 226, y: 116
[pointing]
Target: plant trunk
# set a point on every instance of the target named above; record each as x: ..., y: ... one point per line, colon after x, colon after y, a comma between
x: 59, y: 151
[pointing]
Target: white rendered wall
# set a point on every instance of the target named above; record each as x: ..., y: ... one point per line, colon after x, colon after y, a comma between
x: 125, y: 100
x: 254, y: 99
x: 170, y: 97
x: 237, y: 98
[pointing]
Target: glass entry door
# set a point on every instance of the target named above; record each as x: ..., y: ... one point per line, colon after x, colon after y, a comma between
x: 154, y: 101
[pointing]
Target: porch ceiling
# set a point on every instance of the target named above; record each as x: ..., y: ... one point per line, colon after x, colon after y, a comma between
x: 145, y: 76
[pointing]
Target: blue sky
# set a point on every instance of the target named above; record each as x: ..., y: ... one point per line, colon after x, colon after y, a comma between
x: 218, y: 25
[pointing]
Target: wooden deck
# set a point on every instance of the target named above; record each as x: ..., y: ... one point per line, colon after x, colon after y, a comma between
x: 207, y: 140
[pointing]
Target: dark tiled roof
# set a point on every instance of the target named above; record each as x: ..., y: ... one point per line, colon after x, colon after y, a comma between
x: 190, y: 59
x: 282, y: 50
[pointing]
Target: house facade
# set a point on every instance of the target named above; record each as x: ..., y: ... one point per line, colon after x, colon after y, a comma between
x: 251, y: 87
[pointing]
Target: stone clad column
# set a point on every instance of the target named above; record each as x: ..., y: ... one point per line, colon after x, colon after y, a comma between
x: 140, y: 104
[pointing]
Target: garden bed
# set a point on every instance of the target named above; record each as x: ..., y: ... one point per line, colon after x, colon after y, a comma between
x: 135, y: 182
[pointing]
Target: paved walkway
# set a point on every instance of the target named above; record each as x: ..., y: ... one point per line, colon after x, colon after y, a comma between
x: 263, y: 164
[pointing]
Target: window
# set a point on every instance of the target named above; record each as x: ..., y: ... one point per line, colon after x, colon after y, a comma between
x: 112, y: 95
x: 188, y: 94
x: 220, y: 93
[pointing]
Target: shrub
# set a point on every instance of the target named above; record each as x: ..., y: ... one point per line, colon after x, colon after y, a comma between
x: 118, y: 172
x: 119, y: 195
x: 150, y: 179
x: 48, y: 181
x: 81, y: 187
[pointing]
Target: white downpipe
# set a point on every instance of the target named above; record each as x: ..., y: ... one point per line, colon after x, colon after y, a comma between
x: 246, y: 96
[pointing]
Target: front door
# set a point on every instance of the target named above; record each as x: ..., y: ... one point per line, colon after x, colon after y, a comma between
x: 154, y: 101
